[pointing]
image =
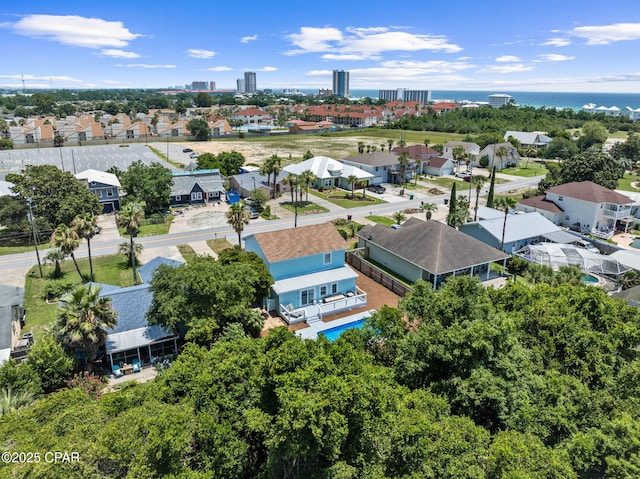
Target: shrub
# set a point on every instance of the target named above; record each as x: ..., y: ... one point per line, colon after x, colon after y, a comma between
x: 55, y: 289
x: 91, y: 384
x: 484, y: 161
x: 343, y: 233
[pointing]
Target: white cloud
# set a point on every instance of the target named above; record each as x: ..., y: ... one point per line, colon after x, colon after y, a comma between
x: 464, y: 58
x: 514, y: 68
x: 143, y: 65
x: 266, y: 69
x: 552, y: 57
x: 349, y: 56
x: 75, y: 30
x: 557, y: 42
x: 44, y: 78
x: 118, y: 53
x: 606, y: 34
x: 249, y: 38
x: 219, y: 69
x: 508, y: 58
x: 199, y: 53
x: 365, y: 43
x: 433, y: 66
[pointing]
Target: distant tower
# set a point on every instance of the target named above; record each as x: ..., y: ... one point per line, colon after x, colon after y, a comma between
x: 250, y: 82
x: 22, y: 83
x: 341, y: 83
x: 240, y: 85
x: 499, y: 99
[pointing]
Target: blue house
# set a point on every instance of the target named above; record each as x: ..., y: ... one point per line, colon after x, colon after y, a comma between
x: 308, y: 266
x: 196, y: 187
x: 105, y: 186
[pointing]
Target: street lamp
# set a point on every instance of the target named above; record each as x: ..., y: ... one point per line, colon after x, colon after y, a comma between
x: 35, y: 237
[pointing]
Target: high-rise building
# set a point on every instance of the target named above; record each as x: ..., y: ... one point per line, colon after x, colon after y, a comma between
x: 212, y: 85
x: 325, y: 92
x: 240, y: 85
x: 341, y: 83
x: 250, y: 82
x: 499, y: 99
x: 402, y: 94
x: 199, y: 85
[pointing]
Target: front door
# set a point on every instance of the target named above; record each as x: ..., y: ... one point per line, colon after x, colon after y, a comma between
x: 306, y: 297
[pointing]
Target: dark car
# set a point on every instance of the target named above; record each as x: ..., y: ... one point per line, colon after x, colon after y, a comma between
x: 254, y: 213
x: 377, y: 188
x: 187, y: 150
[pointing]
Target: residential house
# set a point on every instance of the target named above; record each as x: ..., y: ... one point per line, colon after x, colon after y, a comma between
x: 472, y: 150
x: 329, y: 173
x: 196, y: 187
x: 438, y: 166
x: 444, y: 107
x: 383, y: 166
x: 534, y: 139
x: 427, y: 250
x: 510, y: 158
x: 133, y: 337
x: 130, y: 131
x: 170, y: 129
x: 585, y: 206
x: 219, y: 127
x: 246, y: 183
x: 253, y: 116
x: 12, y: 320
x: 105, y: 186
x: 301, y: 126
x: 6, y: 188
x: 521, y: 230
x: 420, y: 154
x: 34, y: 131
x: 78, y: 129
x: 308, y: 266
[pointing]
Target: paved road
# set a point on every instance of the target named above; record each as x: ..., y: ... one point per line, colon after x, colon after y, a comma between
x: 108, y: 244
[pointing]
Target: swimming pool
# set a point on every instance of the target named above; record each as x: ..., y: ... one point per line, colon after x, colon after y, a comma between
x: 590, y: 279
x: 334, y: 333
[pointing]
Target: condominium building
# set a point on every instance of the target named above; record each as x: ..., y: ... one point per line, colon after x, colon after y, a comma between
x: 402, y: 94
x: 250, y: 82
x: 199, y: 85
x: 240, y: 85
x: 499, y: 99
x: 341, y: 83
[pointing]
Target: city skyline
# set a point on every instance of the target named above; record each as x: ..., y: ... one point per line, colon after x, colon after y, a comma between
x: 462, y: 45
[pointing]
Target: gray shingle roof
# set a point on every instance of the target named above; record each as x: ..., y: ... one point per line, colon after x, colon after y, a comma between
x: 431, y: 245
x: 183, y: 185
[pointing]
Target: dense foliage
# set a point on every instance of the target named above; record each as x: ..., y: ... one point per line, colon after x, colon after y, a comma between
x: 150, y: 184
x: 536, y: 382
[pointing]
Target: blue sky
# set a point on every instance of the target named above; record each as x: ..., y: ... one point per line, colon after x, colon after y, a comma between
x: 560, y: 45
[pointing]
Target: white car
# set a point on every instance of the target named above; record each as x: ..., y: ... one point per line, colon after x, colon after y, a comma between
x: 462, y: 174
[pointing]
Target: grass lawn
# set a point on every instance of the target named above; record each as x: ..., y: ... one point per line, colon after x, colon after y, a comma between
x: 304, y: 207
x: 219, y: 244
x: 187, y: 252
x: 624, y: 183
x: 343, y: 198
x: 112, y: 269
x: 383, y: 220
x: 446, y: 182
x: 151, y: 228
x: 534, y: 168
x: 162, y: 156
x: 18, y: 249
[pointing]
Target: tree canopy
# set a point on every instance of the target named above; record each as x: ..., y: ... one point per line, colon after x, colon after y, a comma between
x: 150, y: 184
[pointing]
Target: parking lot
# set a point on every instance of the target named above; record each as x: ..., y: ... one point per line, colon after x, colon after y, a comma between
x: 77, y: 159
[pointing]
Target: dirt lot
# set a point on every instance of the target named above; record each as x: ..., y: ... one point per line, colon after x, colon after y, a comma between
x: 257, y: 150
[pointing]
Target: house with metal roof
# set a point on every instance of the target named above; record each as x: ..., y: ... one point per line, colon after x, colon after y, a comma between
x: 521, y: 229
x: 329, y: 172
x: 196, y: 187
x: 105, y: 186
x: 427, y: 250
x: 526, y: 139
x: 383, y: 166
x: 308, y: 266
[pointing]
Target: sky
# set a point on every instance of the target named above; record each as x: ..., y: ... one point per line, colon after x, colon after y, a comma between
x: 489, y: 45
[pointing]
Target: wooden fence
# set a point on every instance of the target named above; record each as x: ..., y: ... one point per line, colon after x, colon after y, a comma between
x: 377, y: 274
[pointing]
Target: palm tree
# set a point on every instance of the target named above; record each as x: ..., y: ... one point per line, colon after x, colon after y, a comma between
x: 459, y: 154
x: 404, y: 161
x: 125, y: 249
x: 501, y: 152
x: 86, y: 226
x: 276, y: 168
x: 490, y: 197
x: 83, y: 320
x: 11, y: 400
x: 55, y: 256
x: 398, y: 217
x: 429, y: 209
x: 130, y: 217
x: 351, y: 181
x: 292, y: 181
x: 361, y: 147
x: 477, y: 180
x: 237, y: 217
x: 267, y: 169
x: 306, y: 178
x: 67, y: 240
x: 505, y: 203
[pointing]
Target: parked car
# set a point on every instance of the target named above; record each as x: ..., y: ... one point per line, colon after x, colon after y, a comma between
x: 395, y: 226
x: 462, y: 174
x: 187, y: 150
x: 193, y: 155
x: 253, y: 212
x: 377, y: 188
x: 586, y: 245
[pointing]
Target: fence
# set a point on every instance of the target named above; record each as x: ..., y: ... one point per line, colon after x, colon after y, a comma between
x: 377, y: 274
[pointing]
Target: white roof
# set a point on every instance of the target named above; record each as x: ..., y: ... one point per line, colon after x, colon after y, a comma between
x: 628, y: 258
x: 324, y: 167
x: 5, y: 354
x: 5, y: 188
x: 136, y: 338
x: 486, y: 213
x: 99, y: 177
x: 519, y: 226
x: 557, y: 255
x: 308, y: 280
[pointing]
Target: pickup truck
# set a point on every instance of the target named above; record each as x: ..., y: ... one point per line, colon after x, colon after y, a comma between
x: 376, y: 188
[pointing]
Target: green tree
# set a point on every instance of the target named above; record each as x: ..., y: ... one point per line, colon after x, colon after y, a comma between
x: 428, y: 209
x: 130, y: 217
x: 459, y: 155
x: 86, y: 226
x: 306, y: 179
x: 55, y: 256
x: 292, y: 181
x: 490, y: 195
x: 404, y: 161
x: 207, y: 161
x: 592, y: 165
x: 199, y: 128
x: 83, y: 320
x: 505, y: 203
x: 351, y: 181
x: 259, y: 197
x: 562, y: 148
x: 399, y: 217
x: 203, y: 100
x: 478, y: 181
x: 501, y: 152
x: 50, y: 362
x: 453, y: 205
x: 230, y: 162
x: 593, y: 133
x: 66, y: 239
x: 149, y: 184
x: 308, y: 155
x: 6, y: 144
x: 237, y: 217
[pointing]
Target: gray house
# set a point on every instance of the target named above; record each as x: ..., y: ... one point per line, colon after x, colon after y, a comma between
x: 105, y: 186
x: 196, y: 187
x: 246, y: 183
x: 427, y: 250
x: 384, y: 166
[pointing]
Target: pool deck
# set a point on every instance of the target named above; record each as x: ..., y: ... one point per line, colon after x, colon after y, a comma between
x: 314, y: 328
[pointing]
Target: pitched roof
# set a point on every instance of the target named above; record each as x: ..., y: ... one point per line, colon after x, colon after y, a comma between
x: 416, y: 151
x: 299, y: 242
x: 438, y: 162
x: 95, y: 176
x: 518, y: 227
x: 541, y: 203
x: 432, y: 245
x: 377, y: 158
x: 183, y: 182
x: 147, y: 270
x: 590, y: 191
x: 324, y: 167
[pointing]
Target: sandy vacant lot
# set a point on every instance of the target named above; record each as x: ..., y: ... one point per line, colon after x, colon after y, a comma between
x: 256, y: 151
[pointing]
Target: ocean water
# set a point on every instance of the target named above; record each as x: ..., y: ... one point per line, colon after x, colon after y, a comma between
x: 574, y: 101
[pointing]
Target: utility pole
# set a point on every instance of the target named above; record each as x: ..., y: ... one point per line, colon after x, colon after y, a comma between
x: 35, y: 236
x: 295, y: 204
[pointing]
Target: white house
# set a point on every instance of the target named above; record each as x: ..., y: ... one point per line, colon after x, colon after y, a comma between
x: 384, y: 167
x: 535, y: 139
x: 584, y: 206
x: 329, y: 172
x: 510, y: 158
x: 472, y: 150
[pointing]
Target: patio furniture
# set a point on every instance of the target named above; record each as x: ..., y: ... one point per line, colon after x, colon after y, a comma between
x: 117, y: 372
x: 127, y: 369
x: 135, y: 364
x: 292, y: 313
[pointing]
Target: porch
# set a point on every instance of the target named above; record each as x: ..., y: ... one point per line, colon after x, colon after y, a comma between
x: 325, y: 307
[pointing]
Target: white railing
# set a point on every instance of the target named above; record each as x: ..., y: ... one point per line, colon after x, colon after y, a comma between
x: 603, y: 233
x: 315, y: 312
x: 617, y: 213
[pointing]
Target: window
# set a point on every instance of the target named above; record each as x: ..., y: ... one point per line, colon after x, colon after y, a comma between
x: 323, y: 290
x: 566, y: 217
x: 306, y: 297
x: 196, y: 195
x: 327, y: 258
x: 109, y: 192
x: 560, y: 198
x: 178, y: 197
x: 334, y: 288
x: 130, y: 134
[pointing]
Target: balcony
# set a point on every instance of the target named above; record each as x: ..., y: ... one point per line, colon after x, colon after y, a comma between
x: 326, y: 307
x: 617, y: 211
x: 603, y: 232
